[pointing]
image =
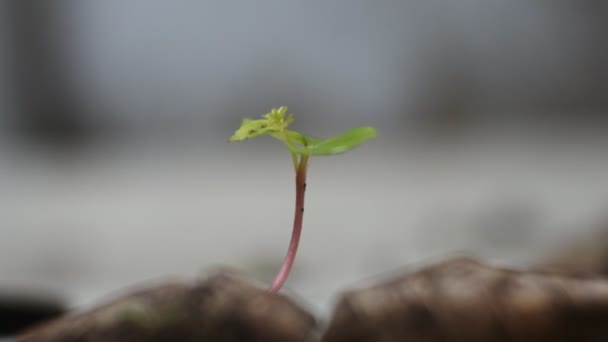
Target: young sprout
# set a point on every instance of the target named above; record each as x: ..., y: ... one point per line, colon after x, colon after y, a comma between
x: 301, y: 148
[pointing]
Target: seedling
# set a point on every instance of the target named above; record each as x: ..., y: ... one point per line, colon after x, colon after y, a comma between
x: 301, y: 148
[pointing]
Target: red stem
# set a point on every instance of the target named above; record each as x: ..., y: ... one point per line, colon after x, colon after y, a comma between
x: 297, y: 226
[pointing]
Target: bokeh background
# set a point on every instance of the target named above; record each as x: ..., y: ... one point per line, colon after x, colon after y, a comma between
x: 114, y: 116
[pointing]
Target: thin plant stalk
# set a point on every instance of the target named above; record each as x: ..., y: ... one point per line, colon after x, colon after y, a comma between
x: 297, y: 224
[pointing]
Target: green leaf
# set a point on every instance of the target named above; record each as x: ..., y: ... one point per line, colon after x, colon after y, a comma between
x: 341, y: 143
x: 272, y: 122
x: 275, y: 124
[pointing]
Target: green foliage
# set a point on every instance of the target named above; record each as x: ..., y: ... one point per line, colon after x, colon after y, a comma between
x: 275, y: 124
x: 343, y: 142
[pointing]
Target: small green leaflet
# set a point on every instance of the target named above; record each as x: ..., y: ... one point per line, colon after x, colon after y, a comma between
x: 343, y: 142
x: 272, y: 122
x: 275, y: 124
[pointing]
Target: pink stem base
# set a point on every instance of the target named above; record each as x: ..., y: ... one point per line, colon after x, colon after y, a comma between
x: 297, y: 226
